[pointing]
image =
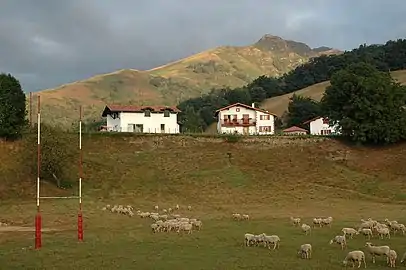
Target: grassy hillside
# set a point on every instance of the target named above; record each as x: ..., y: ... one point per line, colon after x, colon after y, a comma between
x: 270, y: 179
x: 167, y: 85
x: 278, y: 105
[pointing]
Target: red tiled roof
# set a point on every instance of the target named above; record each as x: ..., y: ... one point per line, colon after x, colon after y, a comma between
x: 295, y: 129
x: 245, y: 106
x: 130, y: 108
x: 311, y: 120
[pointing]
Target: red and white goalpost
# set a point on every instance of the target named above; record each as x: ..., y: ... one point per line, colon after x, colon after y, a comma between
x: 38, y: 219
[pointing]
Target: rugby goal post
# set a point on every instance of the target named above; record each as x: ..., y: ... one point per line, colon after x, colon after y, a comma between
x: 38, y: 218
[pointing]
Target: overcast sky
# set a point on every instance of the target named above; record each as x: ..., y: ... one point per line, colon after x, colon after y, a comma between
x: 45, y: 43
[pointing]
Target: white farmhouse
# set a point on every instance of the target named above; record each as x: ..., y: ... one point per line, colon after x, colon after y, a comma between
x: 244, y: 119
x: 142, y: 119
x: 320, y: 126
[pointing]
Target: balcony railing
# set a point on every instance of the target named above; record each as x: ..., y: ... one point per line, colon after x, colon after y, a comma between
x: 238, y: 122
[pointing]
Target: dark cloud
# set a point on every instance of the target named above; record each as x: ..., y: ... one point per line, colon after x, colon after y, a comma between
x: 46, y: 42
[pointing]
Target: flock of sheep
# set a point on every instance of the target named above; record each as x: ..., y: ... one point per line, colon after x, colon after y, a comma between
x: 3, y: 224
x: 366, y: 228
x: 167, y: 221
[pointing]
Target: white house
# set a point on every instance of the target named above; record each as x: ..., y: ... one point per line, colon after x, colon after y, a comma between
x: 142, y: 119
x: 320, y: 126
x: 244, y: 119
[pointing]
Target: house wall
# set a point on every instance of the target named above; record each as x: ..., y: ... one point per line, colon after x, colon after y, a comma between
x: 253, y: 116
x: 150, y: 124
x: 265, y: 123
x: 317, y: 126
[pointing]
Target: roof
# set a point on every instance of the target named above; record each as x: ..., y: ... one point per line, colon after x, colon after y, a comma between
x: 295, y: 129
x: 311, y: 120
x: 129, y: 108
x: 245, y: 106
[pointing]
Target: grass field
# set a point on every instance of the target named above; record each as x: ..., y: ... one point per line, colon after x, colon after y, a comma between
x: 270, y: 179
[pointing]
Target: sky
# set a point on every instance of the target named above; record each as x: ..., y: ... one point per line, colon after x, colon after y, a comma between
x: 46, y: 43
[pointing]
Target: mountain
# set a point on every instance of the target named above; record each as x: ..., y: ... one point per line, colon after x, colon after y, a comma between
x: 226, y: 66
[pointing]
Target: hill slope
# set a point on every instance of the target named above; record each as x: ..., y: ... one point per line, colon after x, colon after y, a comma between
x: 190, y: 77
x: 278, y: 105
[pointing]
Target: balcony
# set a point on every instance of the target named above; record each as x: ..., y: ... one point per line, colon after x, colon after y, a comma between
x: 238, y: 122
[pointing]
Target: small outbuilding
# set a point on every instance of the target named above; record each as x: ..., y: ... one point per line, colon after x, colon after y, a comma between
x: 294, y: 130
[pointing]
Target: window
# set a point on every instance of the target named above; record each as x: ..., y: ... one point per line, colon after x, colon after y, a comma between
x: 237, y: 109
x: 139, y: 128
x: 264, y: 117
x: 234, y: 117
x: 325, y: 132
x: 147, y: 113
x: 114, y: 115
x: 166, y: 113
x: 325, y: 121
x: 162, y: 127
x: 265, y: 129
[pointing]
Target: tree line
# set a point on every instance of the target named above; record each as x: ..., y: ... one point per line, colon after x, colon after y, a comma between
x: 198, y: 113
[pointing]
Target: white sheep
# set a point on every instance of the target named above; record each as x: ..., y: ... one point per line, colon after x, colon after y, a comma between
x: 339, y: 239
x: 295, y: 221
x: 271, y: 239
x: 306, y: 228
x: 377, y: 250
x: 366, y: 232
x: 165, y: 211
x: 169, y: 210
x: 327, y: 221
x: 317, y: 221
x: 305, y: 251
x: 245, y: 217
x: 349, y: 231
x: 177, y: 207
x: 155, y: 227
x: 156, y: 207
x: 198, y: 224
x: 383, y: 232
x: 248, y: 239
x: 391, y: 259
x: 189, y: 207
x: 355, y: 256
x: 236, y: 216
x: 186, y: 227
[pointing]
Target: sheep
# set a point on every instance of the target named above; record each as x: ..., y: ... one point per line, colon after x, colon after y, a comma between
x: 377, y: 250
x: 169, y: 210
x: 350, y: 232
x: 177, y: 207
x: 245, y: 217
x: 248, y: 238
x: 156, y: 207
x: 306, y: 228
x: 317, y: 221
x: 397, y: 227
x: 155, y: 227
x: 236, y: 216
x: 198, y: 224
x: 186, y: 227
x: 295, y: 221
x: 355, y: 256
x: 271, y: 239
x: 366, y: 232
x: 339, y: 239
x: 189, y: 207
x: 165, y: 211
x: 403, y: 258
x: 366, y: 224
x: 391, y: 259
x: 327, y: 221
x: 305, y: 251
x: 383, y: 232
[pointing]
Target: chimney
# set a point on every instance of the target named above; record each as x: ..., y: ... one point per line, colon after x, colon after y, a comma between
x: 253, y: 105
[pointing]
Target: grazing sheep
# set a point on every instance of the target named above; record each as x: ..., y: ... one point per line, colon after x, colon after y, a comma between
x: 391, y: 259
x: 237, y: 216
x: 165, y: 211
x: 156, y: 207
x: 327, y: 221
x: 317, y: 221
x: 271, y: 239
x: 295, y: 221
x: 383, y: 232
x: 339, y: 239
x: 245, y: 217
x: 355, y: 256
x: 155, y: 227
x: 189, y: 207
x: 377, y: 250
x: 305, y: 251
x: 198, y: 224
x: 169, y: 210
x: 366, y: 224
x: 366, y: 232
x: 177, y: 207
x: 403, y: 258
x: 306, y: 228
x: 350, y: 232
x: 248, y: 238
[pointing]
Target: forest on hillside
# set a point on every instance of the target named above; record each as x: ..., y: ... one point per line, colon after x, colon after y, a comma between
x: 198, y: 113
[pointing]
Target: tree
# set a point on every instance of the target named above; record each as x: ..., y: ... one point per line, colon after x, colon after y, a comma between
x: 300, y: 109
x: 367, y: 104
x: 191, y: 121
x: 12, y: 107
x: 58, y: 155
